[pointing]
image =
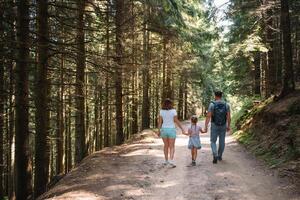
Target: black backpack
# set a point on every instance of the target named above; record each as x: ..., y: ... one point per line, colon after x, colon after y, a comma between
x: 219, y: 114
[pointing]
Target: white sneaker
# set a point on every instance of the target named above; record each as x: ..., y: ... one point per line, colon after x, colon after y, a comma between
x: 172, y: 163
x: 165, y: 163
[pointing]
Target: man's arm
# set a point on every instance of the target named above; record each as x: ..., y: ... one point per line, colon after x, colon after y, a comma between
x: 207, y: 120
x: 228, y: 121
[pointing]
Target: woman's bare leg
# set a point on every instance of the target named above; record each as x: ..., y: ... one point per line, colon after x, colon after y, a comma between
x: 172, y: 148
x: 166, y: 148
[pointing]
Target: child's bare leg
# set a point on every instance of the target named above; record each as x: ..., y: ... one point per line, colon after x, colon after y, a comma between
x: 195, y: 153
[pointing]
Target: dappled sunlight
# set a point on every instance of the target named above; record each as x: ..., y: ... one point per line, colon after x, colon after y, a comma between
x: 143, y: 153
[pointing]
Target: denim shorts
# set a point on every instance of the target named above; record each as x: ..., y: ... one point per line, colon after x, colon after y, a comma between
x: 168, y: 133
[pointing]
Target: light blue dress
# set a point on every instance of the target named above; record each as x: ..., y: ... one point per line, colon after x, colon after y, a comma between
x: 194, y: 140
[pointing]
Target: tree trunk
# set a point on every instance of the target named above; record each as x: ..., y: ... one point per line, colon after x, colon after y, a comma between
x: 11, y: 105
x: 119, y: 20
x: 60, y: 121
x: 41, y: 103
x: 134, y: 106
x: 100, y: 120
x: 288, y: 72
x: 180, y: 97
x: 271, y: 75
x: 80, y: 147
x: 96, y: 114
x: 106, y: 98
x: 185, y: 116
x: 23, y: 166
x: 263, y: 66
x: 68, y: 147
x: 256, y: 85
x: 2, y: 101
x: 146, y: 76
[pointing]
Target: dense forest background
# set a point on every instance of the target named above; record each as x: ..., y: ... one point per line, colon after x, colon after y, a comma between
x: 78, y: 76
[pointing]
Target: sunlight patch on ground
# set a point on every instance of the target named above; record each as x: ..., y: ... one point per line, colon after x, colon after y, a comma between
x: 166, y: 184
x: 135, y: 192
x: 143, y: 152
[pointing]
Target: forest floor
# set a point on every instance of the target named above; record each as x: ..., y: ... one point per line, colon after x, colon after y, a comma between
x: 135, y: 171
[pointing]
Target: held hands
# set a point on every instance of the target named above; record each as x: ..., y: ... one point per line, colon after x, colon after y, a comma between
x: 184, y: 132
x: 203, y: 130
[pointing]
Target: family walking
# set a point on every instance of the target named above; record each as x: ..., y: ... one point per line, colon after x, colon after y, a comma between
x: 219, y: 116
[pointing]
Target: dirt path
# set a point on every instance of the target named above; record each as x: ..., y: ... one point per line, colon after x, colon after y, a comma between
x: 137, y: 173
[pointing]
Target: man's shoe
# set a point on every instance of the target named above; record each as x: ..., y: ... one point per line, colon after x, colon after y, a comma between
x: 220, y: 158
x: 215, y: 160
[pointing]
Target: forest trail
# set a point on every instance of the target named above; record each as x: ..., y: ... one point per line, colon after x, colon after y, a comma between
x: 137, y: 173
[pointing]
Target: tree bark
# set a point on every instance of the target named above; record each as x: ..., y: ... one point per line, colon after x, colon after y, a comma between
x: 256, y: 84
x: 80, y: 147
x: 23, y: 166
x: 106, y: 98
x: 2, y: 101
x: 41, y: 103
x: 288, y: 72
x: 146, y: 76
x: 119, y: 20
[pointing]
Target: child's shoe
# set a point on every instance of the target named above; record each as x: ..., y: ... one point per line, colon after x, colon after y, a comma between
x: 193, y: 163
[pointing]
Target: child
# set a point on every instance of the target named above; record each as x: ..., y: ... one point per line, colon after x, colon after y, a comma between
x: 194, y: 140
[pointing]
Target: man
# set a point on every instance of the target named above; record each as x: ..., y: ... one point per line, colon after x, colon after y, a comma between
x: 219, y: 115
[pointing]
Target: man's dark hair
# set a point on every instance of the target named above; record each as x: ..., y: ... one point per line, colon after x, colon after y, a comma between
x: 218, y: 94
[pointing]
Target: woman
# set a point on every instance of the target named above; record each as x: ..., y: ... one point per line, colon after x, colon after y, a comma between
x: 167, y: 131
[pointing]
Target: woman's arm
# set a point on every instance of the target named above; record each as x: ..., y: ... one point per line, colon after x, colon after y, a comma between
x: 159, y: 123
x: 177, y: 122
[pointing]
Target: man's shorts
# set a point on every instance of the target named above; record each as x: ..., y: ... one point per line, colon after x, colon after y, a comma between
x: 168, y: 133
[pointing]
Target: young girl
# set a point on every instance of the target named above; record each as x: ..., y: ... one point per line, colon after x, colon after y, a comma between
x: 194, y: 140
